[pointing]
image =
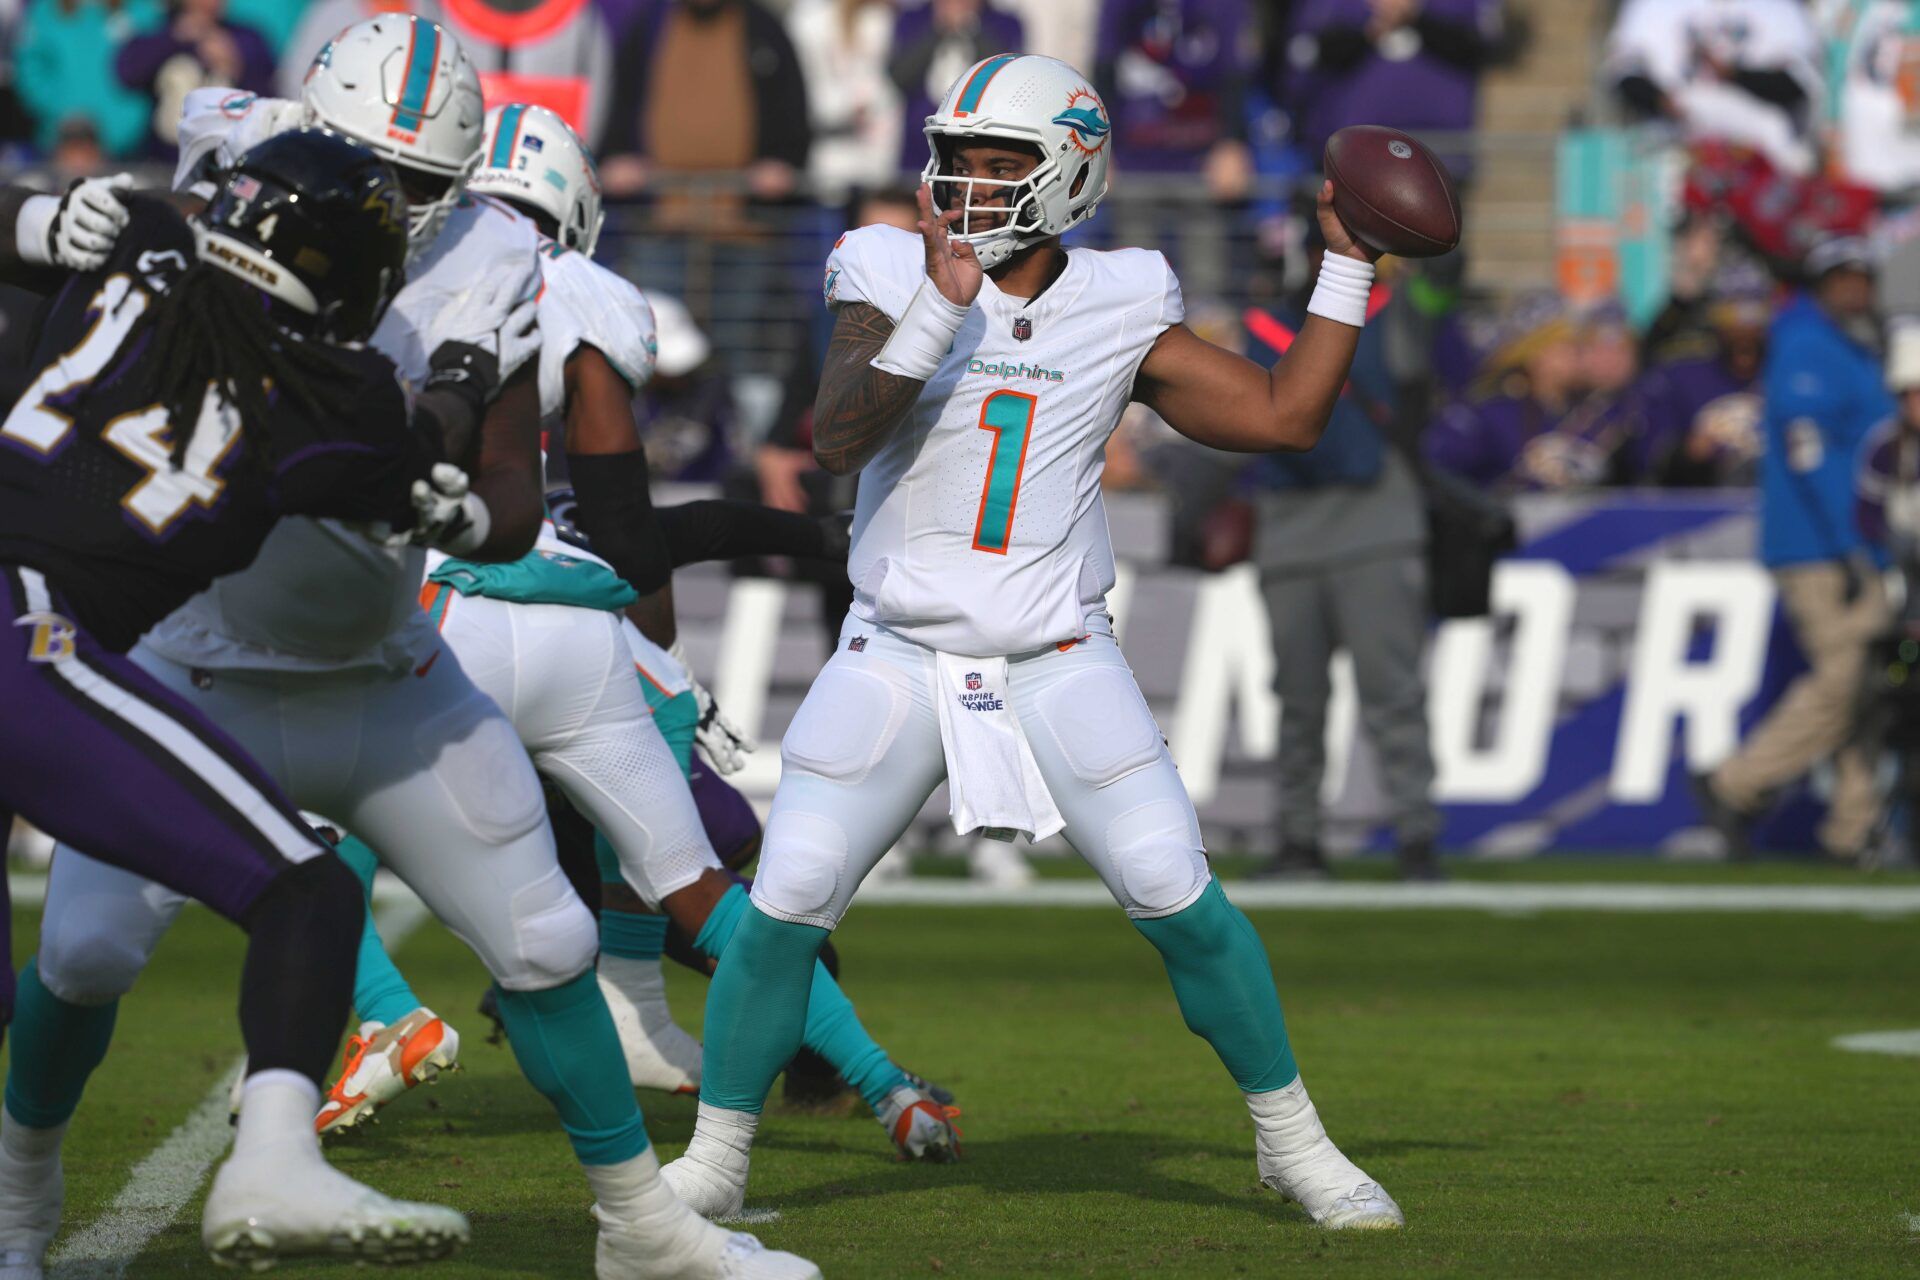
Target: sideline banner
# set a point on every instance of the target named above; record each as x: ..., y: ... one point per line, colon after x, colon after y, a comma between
x: 1635, y: 639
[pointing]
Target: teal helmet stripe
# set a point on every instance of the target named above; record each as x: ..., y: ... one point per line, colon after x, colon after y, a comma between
x: 423, y: 56
x: 976, y: 87
x: 508, y: 134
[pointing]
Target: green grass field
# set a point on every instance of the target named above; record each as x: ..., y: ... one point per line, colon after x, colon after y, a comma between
x: 1555, y: 1095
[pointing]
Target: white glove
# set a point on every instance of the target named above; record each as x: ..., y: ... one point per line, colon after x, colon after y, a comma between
x: 724, y: 742
x: 447, y: 514
x: 501, y: 316
x: 85, y: 223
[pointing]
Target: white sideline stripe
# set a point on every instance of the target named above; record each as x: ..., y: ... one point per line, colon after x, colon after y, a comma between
x: 1500, y: 899
x: 1906, y: 1044
x: 160, y: 1186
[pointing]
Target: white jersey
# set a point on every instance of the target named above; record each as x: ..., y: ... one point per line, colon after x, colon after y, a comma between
x: 321, y: 596
x: 979, y: 527
x: 586, y: 305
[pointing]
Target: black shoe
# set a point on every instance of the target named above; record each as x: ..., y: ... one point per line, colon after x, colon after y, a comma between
x: 490, y: 1009
x: 813, y: 1085
x: 1297, y: 860
x: 1730, y: 823
x: 1418, y: 863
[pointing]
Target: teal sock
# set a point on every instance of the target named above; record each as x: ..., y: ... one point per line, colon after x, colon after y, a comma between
x: 380, y: 991
x: 756, y: 1005
x: 833, y: 1030
x: 1224, y: 983
x: 56, y: 1046
x: 568, y: 1049
x: 637, y: 937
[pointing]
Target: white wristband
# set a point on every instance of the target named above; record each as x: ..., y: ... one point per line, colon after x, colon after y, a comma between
x: 1345, y: 285
x: 30, y: 230
x: 923, y: 335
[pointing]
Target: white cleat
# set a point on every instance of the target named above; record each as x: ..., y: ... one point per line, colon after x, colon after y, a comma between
x: 262, y: 1210
x: 32, y: 1187
x: 711, y: 1178
x: 1298, y: 1159
x: 660, y: 1054
x: 921, y: 1128
x: 625, y: 1252
x: 382, y: 1062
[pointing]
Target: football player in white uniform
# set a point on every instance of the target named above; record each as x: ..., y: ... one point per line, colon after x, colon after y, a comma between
x: 542, y: 636
x: 319, y: 660
x: 975, y: 373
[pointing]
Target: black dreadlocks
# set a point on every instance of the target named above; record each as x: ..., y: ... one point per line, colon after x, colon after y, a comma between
x: 212, y: 329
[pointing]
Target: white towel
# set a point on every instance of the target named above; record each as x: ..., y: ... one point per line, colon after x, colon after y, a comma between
x: 992, y: 780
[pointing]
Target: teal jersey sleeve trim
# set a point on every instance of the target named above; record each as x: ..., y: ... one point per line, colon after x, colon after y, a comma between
x: 541, y: 577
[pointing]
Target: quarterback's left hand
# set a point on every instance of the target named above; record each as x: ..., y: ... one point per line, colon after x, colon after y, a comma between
x: 90, y: 218
x: 1339, y: 239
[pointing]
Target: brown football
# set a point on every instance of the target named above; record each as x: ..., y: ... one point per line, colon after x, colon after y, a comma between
x: 1392, y: 192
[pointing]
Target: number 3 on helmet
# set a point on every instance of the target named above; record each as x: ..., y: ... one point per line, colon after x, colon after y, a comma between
x: 1030, y: 100
x: 403, y: 87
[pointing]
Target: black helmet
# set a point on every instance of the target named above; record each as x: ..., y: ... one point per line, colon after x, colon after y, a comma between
x: 318, y: 223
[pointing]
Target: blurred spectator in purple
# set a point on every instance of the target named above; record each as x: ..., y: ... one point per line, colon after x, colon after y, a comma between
x: 686, y: 413
x: 932, y: 44
x: 196, y: 46
x: 321, y: 21
x: 843, y: 47
x: 1411, y: 64
x: 64, y: 69
x: 1529, y: 427
x: 708, y: 86
x: 1173, y: 74
x: 1702, y: 399
x: 1887, y: 489
x: 1741, y: 71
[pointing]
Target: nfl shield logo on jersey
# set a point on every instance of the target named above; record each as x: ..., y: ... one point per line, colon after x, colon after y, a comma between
x: 1022, y: 328
x: 973, y: 679
x: 857, y: 645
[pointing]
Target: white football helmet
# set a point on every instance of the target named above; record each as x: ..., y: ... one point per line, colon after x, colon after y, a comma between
x: 533, y: 157
x: 403, y: 86
x: 1027, y: 99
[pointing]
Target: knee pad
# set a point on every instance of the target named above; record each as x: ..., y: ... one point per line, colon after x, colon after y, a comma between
x: 93, y: 947
x: 844, y: 728
x: 1155, y: 852
x: 802, y: 867
x: 89, y: 966
x: 1101, y: 724
x: 555, y: 938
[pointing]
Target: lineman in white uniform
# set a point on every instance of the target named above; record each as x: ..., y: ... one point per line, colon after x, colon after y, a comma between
x: 320, y: 661
x: 541, y: 637
x: 976, y: 372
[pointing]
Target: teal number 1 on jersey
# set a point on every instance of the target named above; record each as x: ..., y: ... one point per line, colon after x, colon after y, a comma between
x: 1009, y: 415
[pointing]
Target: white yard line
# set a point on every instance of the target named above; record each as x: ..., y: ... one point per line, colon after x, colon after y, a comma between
x: 161, y: 1185
x: 1905, y: 1044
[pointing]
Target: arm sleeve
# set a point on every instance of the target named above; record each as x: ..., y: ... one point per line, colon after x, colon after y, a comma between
x: 723, y: 529
x: 616, y: 513
x: 368, y: 475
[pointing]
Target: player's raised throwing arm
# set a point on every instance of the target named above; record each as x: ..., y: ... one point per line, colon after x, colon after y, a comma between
x: 875, y: 368
x: 1226, y: 401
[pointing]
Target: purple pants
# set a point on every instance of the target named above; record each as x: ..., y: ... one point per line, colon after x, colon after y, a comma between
x: 97, y: 754
x: 732, y: 827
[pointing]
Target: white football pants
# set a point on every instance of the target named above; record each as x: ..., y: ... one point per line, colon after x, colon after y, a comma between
x: 422, y: 766
x: 566, y: 678
x: 864, y: 753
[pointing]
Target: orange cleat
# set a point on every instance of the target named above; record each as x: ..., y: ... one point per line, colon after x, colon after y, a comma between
x: 383, y: 1062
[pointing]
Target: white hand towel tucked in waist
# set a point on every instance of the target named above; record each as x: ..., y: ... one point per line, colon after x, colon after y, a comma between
x: 992, y: 779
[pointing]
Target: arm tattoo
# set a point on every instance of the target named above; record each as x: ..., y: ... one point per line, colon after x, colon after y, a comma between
x: 858, y: 407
